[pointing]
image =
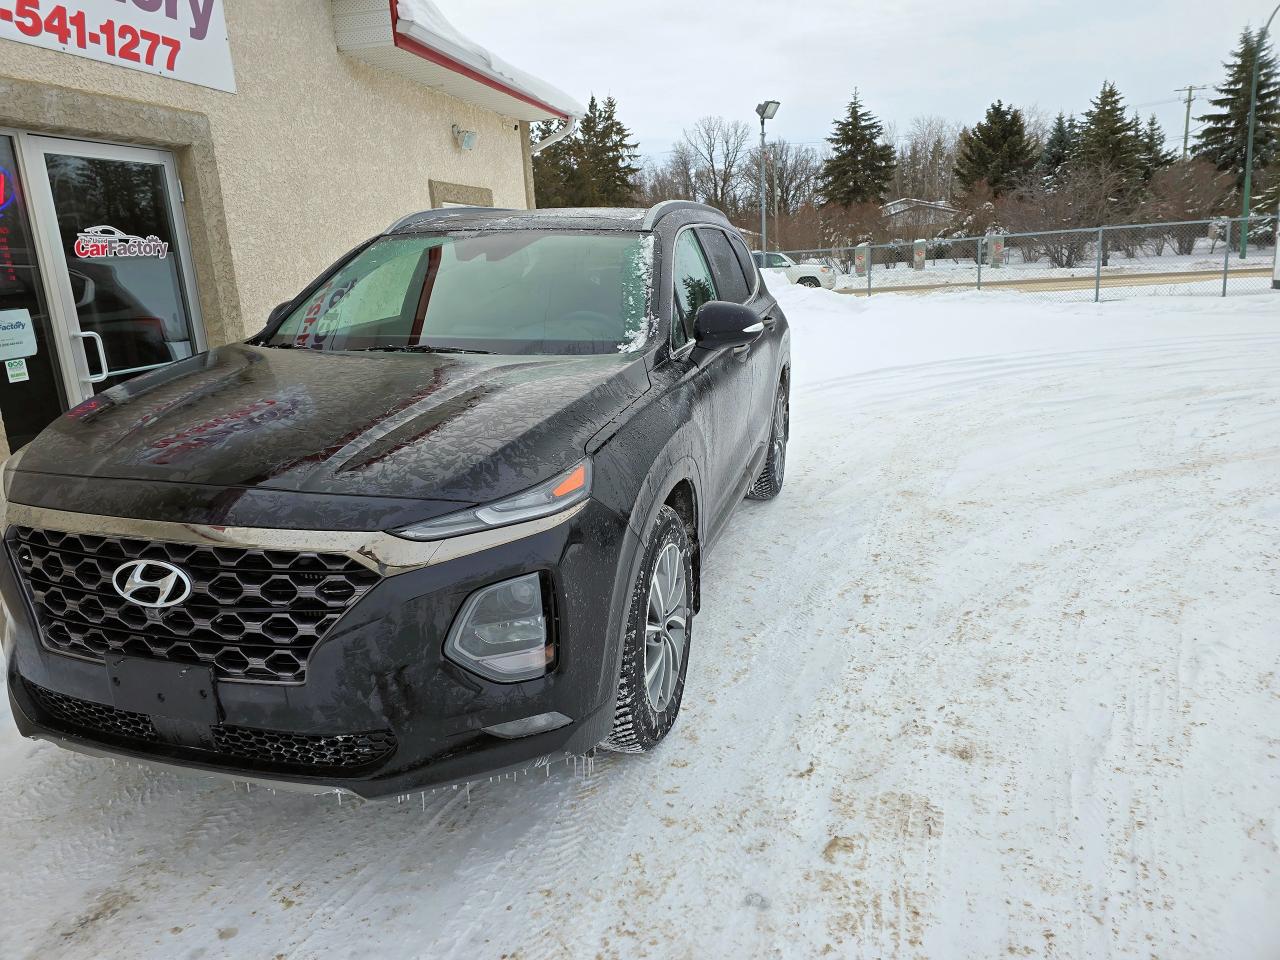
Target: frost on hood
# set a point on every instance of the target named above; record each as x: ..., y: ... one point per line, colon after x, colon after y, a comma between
x: 422, y: 20
x: 636, y: 286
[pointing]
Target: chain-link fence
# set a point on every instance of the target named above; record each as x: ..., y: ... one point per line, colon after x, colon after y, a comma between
x: 1102, y: 263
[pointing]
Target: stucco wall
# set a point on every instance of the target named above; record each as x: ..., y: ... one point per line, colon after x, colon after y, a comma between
x: 315, y: 152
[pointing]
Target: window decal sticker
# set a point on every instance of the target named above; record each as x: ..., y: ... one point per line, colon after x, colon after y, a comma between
x: 108, y: 241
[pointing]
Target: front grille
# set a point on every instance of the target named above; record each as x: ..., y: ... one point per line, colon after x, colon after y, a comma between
x: 238, y: 746
x: 252, y: 614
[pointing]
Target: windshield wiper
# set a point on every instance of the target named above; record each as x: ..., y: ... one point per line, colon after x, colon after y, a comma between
x: 416, y: 348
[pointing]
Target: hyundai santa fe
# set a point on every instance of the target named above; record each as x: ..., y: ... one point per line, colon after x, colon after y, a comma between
x: 444, y: 516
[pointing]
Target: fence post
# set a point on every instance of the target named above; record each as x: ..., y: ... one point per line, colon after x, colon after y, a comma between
x: 1275, y: 257
x: 981, y: 243
x: 1097, y: 279
x: 1226, y: 261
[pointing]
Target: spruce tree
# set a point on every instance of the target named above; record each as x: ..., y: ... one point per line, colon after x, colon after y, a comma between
x: 1224, y: 139
x: 997, y: 150
x: 1110, y: 140
x: 1155, y: 154
x: 1060, y: 149
x: 860, y: 166
x: 552, y: 168
x: 594, y: 167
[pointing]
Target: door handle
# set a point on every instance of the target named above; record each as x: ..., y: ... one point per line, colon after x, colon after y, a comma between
x: 102, y: 355
x: 771, y: 322
x: 742, y: 351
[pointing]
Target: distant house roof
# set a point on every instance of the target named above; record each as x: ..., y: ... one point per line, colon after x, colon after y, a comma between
x: 896, y: 208
x: 414, y: 39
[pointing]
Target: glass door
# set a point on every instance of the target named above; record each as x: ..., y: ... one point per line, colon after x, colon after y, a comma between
x: 115, y: 244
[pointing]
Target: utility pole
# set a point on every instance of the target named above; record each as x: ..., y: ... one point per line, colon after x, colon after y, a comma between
x: 1186, y: 131
x: 1258, y: 54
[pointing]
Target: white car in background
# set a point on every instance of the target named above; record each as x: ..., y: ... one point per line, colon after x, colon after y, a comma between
x: 808, y: 274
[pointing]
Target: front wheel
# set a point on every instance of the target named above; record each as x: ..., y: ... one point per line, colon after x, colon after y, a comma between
x: 813, y: 282
x: 655, y: 653
x: 769, y: 483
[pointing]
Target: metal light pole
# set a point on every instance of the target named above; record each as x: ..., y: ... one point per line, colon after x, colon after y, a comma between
x: 1253, y: 121
x: 766, y: 111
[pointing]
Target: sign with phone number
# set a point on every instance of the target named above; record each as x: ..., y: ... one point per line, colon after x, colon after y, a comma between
x: 182, y: 39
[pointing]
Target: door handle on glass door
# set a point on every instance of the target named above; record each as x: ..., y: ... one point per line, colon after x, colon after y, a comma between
x: 102, y: 355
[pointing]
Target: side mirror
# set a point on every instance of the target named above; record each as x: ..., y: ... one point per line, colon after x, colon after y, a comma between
x: 721, y: 324
x: 279, y: 312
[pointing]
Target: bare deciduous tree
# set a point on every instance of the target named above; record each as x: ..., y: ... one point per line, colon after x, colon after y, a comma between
x: 719, y: 149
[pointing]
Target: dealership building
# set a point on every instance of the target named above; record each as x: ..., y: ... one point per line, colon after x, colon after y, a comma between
x: 170, y: 170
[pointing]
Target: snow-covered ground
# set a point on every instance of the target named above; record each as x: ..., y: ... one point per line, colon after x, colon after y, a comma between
x: 997, y: 675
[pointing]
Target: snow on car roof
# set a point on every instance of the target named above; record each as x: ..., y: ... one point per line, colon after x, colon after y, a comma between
x: 481, y: 218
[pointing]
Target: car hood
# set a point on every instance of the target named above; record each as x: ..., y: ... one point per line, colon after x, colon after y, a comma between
x: 444, y: 427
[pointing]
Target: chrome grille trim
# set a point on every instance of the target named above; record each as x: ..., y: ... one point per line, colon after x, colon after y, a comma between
x: 386, y: 555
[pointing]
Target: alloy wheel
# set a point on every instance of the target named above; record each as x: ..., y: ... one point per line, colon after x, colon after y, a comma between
x: 780, y: 426
x: 666, y: 624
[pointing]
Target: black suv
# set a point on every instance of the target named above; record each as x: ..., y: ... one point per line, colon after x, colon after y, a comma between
x: 444, y: 516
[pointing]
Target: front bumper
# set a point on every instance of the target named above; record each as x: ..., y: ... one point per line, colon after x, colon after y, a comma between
x: 380, y: 668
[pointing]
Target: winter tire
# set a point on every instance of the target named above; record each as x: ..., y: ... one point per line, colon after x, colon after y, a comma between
x: 655, y: 653
x: 809, y: 282
x: 770, y: 480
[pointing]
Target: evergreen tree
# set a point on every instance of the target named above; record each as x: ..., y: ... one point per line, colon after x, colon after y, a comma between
x: 1267, y: 201
x: 860, y: 166
x: 1155, y: 154
x: 1111, y: 141
x: 997, y: 150
x: 1059, y: 149
x: 1224, y: 139
x: 594, y: 167
x: 605, y: 157
x: 553, y: 169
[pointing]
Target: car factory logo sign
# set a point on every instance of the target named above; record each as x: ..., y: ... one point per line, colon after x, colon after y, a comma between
x: 97, y: 242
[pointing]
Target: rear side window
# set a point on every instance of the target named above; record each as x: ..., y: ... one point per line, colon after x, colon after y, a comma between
x: 745, y: 259
x: 694, y: 286
x: 730, y: 280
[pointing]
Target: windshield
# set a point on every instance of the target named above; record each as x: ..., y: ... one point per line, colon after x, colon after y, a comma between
x: 509, y: 292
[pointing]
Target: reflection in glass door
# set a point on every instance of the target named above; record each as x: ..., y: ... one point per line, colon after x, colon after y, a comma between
x: 31, y: 380
x: 116, y: 238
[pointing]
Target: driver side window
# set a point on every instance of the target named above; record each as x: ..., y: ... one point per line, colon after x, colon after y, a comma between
x: 693, y: 287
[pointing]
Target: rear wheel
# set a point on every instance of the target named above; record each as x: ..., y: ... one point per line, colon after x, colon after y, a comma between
x: 656, y: 647
x: 771, y: 476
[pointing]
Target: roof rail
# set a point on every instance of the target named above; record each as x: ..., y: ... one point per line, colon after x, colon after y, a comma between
x: 658, y: 211
x: 441, y: 212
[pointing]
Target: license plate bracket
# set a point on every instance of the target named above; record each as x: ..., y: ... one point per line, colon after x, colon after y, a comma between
x: 178, y: 691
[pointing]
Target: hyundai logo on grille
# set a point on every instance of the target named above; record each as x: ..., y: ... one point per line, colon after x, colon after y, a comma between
x: 151, y: 583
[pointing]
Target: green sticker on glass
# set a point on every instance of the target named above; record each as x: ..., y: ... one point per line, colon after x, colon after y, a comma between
x: 17, y: 371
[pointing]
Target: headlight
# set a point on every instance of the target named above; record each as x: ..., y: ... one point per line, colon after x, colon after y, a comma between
x: 501, y: 632
x: 561, y: 492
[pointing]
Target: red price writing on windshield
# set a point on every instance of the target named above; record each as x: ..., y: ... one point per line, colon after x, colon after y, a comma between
x: 122, y: 41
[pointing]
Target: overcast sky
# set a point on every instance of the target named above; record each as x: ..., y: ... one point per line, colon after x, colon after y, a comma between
x: 669, y: 62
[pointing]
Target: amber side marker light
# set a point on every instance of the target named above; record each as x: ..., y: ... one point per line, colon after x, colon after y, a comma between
x: 576, y: 480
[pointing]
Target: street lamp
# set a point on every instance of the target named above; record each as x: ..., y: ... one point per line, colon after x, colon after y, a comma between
x: 766, y: 111
x: 1253, y: 120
